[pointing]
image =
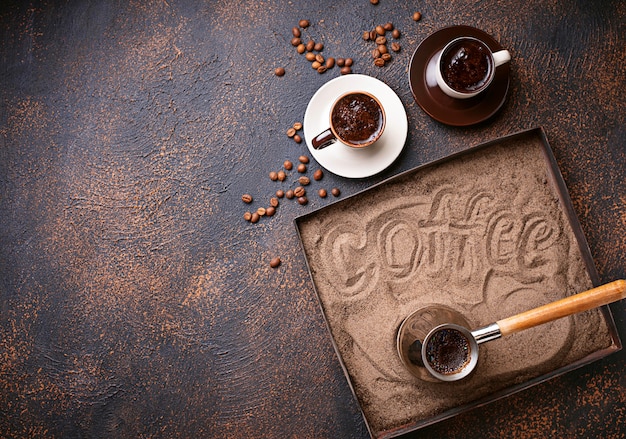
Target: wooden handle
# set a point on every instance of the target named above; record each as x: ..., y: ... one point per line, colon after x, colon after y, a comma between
x: 580, y: 302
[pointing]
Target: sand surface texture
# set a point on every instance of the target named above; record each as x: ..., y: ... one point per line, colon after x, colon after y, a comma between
x: 483, y: 233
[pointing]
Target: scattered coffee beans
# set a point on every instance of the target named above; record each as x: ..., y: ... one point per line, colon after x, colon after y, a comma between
x: 287, y: 165
x: 270, y: 211
x: 335, y: 192
x: 261, y: 211
x: 289, y: 194
x: 304, y: 24
x: 273, y: 176
x: 247, y: 216
x: 318, y: 174
x: 297, y: 137
x: 417, y: 16
x: 274, y: 202
x: 322, y: 193
x: 281, y: 175
x: 303, y: 159
x: 280, y: 193
x: 380, y: 54
x: 275, y: 262
x: 302, y: 200
x: 291, y: 132
x: 297, y: 126
x: 246, y: 198
x: 295, y: 41
x: 255, y: 218
x: 279, y: 71
x: 301, y: 168
x: 304, y: 180
x: 296, y: 32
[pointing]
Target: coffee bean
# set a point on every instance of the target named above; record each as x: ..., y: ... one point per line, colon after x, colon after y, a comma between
x: 349, y: 62
x: 395, y: 47
x: 297, y: 126
x: 302, y: 200
x: 303, y: 159
x: 274, y: 202
x: 366, y: 35
x: 381, y: 40
x: 301, y: 48
x: 375, y: 53
x: 275, y: 262
x: 304, y: 180
x: 322, y: 193
x: 395, y: 33
x: 318, y: 47
x: 345, y: 70
x: 261, y: 211
x: 373, y: 35
x: 288, y: 165
x: 330, y: 63
x: 388, y: 26
x: 281, y: 176
x: 335, y: 191
x: 299, y: 191
x: 318, y: 174
x: 295, y: 31
x: 270, y: 211
x: 295, y: 41
x: 310, y: 56
x: 247, y: 216
x: 255, y: 217
x: 341, y: 62
x: 279, y: 71
x: 386, y: 57
x: 273, y: 176
x: 246, y: 198
x: 417, y: 16
x: 315, y: 65
x: 380, y: 30
x: 291, y: 132
x: 289, y: 194
x: 374, y: 2
x: 321, y: 69
x: 310, y: 45
x: 379, y: 62
x: 297, y: 137
x: 382, y: 49
x: 280, y: 193
x: 304, y: 24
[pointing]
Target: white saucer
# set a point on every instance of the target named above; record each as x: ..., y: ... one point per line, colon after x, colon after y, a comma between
x: 341, y: 159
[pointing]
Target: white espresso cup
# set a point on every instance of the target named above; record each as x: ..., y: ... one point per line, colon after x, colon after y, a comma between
x: 466, y: 67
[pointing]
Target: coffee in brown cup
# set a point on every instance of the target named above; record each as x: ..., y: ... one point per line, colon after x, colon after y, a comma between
x: 466, y: 67
x: 357, y: 119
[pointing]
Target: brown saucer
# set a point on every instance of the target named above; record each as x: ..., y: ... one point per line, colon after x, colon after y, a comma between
x: 438, y: 105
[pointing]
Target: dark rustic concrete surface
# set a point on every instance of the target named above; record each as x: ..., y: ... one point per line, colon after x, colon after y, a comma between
x: 134, y: 299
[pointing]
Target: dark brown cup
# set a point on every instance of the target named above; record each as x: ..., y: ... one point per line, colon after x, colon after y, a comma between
x: 357, y: 119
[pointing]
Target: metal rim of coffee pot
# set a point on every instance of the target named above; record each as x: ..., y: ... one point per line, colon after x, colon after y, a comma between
x: 474, y: 339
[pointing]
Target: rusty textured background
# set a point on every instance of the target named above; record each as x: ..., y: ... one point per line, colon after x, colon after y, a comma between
x: 134, y: 299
